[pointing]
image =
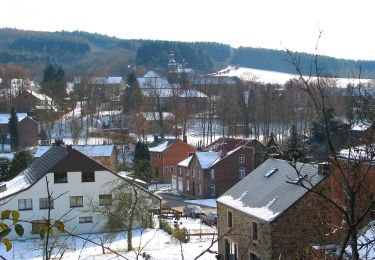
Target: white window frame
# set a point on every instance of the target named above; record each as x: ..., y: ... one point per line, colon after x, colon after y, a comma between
x: 241, y: 158
x: 43, y: 203
x: 25, y: 204
x: 87, y: 219
x: 242, y: 172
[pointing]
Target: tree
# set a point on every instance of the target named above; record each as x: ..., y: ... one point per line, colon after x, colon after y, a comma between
x: 272, y: 147
x: 54, y: 84
x: 351, y: 195
x: 4, y: 169
x: 141, y: 163
x: 295, y: 148
x: 13, y: 129
x: 127, y: 208
x: 318, y: 131
x: 133, y: 95
x: 21, y: 161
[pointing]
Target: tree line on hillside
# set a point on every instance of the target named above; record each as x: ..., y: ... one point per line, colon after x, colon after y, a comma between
x: 80, y: 51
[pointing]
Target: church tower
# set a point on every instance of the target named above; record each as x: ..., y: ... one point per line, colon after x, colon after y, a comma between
x: 172, y: 64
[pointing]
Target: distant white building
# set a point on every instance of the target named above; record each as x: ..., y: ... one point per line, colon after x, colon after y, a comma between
x: 77, y: 184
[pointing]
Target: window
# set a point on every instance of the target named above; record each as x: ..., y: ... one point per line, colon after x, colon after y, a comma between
x: 25, y: 204
x: 242, y: 172
x: 212, y: 190
x: 85, y: 219
x: 172, y: 169
x: 231, y: 250
x: 43, y: 203
x: 166, y: 169
x: 180, y: 171
x: 88, y: 176
x: 199, y: 174
x: 187, y: 185
x: 105, y: 199
x: 230, y: 219
x: 242, y: 158
x: 76, y: 201
x: 212, y: 174
x: 193, y: 172
x: 60, y: 177
x: 254, y: 230
x: 37, y: 225
x: 254, y: 256
x: 199, y: 189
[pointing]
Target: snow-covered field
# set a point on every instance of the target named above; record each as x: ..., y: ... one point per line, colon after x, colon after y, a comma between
x: 155, y: 242
x: 275, y: 77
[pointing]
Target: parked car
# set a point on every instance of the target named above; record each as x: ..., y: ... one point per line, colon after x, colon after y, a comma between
x: 193, y: 211
x: 210, y: 218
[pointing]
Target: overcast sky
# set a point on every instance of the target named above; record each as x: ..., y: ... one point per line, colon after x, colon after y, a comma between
x: 348, y: 26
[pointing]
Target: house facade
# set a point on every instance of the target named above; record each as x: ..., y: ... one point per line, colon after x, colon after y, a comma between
x: 27, y: 129
x: 166, y: 154
x: 80, y: 188
x: 210, y: 173
x: 269, y: 215
x: 32, y: 102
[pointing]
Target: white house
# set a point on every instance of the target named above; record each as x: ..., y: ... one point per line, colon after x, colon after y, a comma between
x: 79, y: 186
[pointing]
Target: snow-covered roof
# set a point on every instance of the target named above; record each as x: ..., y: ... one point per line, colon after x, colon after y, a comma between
x: 152, y: 83
x: 88, y: 150
x: 34, y: 172
x: 361, y: 153
x: 151, y: 74
x: 207, y: 159
x: 267, y: 196
x: 154, y: 116
x: 161, y: 147
x: 4, y: 118
x: 161, y: 144
x: 39, y: 96
x: 106, y: 80
x: 186, y: 162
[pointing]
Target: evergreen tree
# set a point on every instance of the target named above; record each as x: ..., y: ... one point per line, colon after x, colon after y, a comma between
x: 318, y: 126
x: 13, y: 129
x: 20, y: 162
x: 272, y: 147
x: 133, y: 95
x: 54, y: 84
x: 141, y: 163
x: 4, y: 169
x: 295, y: 149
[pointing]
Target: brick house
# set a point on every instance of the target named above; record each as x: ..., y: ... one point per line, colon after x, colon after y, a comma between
x: 269, y: 215
x: 166, y: 154
x: 27, y: 129
x: 210, y: 173
x: 32, y: 102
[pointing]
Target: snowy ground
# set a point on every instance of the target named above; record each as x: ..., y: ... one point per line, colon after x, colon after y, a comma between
x: 155, y: 242
x: 207, y: 202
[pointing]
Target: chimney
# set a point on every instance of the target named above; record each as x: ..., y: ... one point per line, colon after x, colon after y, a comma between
x: 184, y: 138
x: 69, y: 148
x: 58, y: 142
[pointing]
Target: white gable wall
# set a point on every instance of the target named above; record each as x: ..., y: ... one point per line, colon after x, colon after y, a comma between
x: 74, y: 187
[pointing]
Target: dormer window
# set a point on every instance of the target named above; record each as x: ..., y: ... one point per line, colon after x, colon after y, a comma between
x: 88, y: 176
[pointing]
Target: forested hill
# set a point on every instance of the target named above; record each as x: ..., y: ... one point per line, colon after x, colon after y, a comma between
x: 87, y: 52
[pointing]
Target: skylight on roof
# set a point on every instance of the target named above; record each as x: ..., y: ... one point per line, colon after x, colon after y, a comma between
x: 269, y: 173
